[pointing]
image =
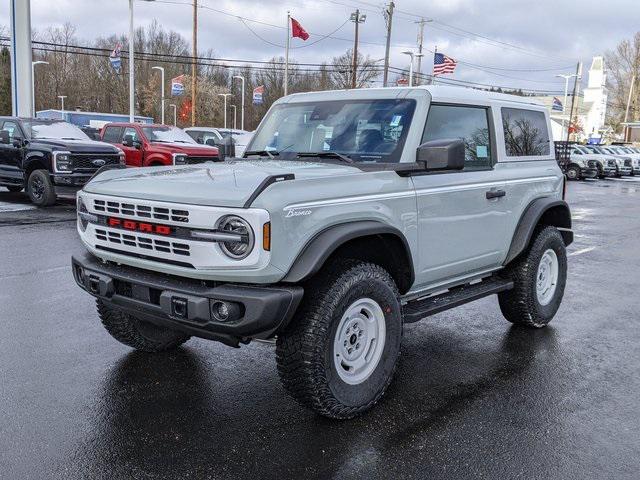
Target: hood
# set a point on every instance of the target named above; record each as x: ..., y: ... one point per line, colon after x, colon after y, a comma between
x: 226, y: 184
x: 188, y: 149
x: 75, y: 146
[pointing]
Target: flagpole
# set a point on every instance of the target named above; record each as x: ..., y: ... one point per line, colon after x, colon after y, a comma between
x: 433, y: 74
x: 286, y: 56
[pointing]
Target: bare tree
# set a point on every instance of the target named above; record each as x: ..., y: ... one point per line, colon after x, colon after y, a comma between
x: 624, y: 65
x: 341, y: 74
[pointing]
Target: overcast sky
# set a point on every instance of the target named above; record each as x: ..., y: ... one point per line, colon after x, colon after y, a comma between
x: 520, y: 35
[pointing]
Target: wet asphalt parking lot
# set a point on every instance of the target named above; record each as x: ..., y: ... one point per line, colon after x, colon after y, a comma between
x: 473, y: 397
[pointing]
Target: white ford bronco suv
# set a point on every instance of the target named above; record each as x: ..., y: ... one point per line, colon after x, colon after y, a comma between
x: 350, y: 213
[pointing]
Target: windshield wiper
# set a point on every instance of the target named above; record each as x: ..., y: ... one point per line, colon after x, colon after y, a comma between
x: 336, y: 155
x: 262, y: 153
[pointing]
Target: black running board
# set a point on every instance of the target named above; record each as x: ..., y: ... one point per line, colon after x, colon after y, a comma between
x: 418, y: 309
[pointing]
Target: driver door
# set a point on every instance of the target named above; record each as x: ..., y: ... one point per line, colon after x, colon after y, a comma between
x: 134, y: 155
x: 10, y: 154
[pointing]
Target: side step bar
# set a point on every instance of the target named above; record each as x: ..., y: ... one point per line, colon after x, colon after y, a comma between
x: 418, y: 309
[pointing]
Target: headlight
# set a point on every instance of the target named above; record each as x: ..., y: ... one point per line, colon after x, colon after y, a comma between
x: 239, y: 247
x: 179, y: 159
x: 62, y: 161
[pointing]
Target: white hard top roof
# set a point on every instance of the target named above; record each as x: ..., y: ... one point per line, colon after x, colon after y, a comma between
x: 438, y: 93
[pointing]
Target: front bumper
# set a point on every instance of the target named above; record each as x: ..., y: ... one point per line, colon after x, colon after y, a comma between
x: 69, y: 183
x: 624, y: 171
x: 186, y: 305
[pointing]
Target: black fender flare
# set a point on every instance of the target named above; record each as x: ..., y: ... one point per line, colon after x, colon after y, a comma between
x: 321, y: 246
x: 36, y: 157
x: 560, y: 216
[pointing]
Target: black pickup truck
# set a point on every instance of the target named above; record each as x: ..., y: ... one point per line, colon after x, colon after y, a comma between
x: 49, y: 157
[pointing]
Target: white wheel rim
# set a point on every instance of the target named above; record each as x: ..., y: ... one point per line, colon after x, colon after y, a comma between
x: 359, y: 341
x: 547, y: 277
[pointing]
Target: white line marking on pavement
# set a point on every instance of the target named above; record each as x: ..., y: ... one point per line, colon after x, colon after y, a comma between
x: 14, y: 207
x: 580, y: 252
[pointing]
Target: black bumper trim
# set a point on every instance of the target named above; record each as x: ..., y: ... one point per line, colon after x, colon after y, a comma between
x: 151, y: 297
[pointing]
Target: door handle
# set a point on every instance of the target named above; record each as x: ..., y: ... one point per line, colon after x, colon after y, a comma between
x: 495, y: 194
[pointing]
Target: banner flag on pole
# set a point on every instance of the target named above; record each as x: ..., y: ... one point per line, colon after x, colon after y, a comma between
x: 257, y: 95
x: 557, y: 105
x: 177, y: 86
x: 115, y: 60
x: 297, y: 31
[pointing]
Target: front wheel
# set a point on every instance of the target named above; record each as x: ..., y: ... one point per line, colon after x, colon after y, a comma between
x: 539, y: 278
x: 137, y: 333
x: 573, y: 173
x: 40, y: 188
x: 340, y: 353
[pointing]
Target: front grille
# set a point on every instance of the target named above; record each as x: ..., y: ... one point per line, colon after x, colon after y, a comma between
x: 192, y: 160
x: 140, y: 241
x: 627, y: 163
x: 141, y: 211
x: 83, y: 161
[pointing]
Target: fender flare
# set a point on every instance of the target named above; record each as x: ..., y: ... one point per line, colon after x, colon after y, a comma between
x: 155, y: 157
x: 36, y: 157
x: 530, y: 218
x: 317, y: 250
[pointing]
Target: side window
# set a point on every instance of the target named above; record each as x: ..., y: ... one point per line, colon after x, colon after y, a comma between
x: 525, y: 132
x: 470, y: 124
x: 112, y: 134
x: 130, y: 131
x: 12, y: 128
x: 575, y: 151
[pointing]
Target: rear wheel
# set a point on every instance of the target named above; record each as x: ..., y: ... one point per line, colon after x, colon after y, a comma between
x: 539, y: 278
x: 40, y: 188
x: 340, y: 353
x: 137, y: 333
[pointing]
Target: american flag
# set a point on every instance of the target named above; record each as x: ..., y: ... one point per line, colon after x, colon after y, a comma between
x: 443, y: 64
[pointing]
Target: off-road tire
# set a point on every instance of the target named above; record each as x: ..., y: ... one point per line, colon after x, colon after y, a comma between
x: 305, y: 351
x: 15, y: 189
x: 573, y: 172
x: 520, y: 305
x: 136, y: 333
x: 40, y: 188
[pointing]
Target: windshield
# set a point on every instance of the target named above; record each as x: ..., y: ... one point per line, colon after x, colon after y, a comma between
x: 53, y: 130
x: 363, y: 130
x: 167, y: 135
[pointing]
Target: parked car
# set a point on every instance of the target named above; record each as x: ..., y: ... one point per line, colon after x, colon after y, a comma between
x: 581, y: 164
x: 49, y: 157
x: 205, y: 135
x: 92, y: 133
x: 631, y: 153
x: 625, y: 167
x: 608, y: 164
x: 153, y: 145
x: 240, y: 143
x: 352, y: 213
x: 214, y: 136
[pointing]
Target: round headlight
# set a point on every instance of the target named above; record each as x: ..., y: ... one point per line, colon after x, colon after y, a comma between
x: 237, y: 248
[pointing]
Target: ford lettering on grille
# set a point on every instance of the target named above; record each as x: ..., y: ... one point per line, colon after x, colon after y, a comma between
x: 143, y: 227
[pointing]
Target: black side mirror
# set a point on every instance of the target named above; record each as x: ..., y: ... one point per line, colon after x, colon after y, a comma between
x: 128, y: 141
x: 5, y: 139
x: 137, y: 144
x: 17, y: 142
x: 445, y: 154
x: 211, y: 142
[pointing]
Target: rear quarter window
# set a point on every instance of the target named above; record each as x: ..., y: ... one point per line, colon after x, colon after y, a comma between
x: 525, y: 132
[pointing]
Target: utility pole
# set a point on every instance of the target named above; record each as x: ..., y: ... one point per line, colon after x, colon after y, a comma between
x: 194, y: 68
x: 388, y: 16
x: 286, y: 55
x: 626, y: 111
x: 357, y: 19
x: 573, y: 98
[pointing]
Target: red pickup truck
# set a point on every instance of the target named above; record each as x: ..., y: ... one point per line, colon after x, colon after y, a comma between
x: 147, y: 145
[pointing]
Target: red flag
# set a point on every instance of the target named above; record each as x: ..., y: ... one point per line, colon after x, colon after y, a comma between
x: 297, y: 30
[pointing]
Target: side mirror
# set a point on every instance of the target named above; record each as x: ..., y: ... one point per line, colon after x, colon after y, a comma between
x: 17, y: 142
x: 5, y: 139
x: 128, y: 141
x: 210, y: 141
x: 445, y: 154
x: 137, y: 144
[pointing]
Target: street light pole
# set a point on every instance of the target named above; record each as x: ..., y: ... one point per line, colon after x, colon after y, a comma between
x: 242, y: 105
x: 62, y: 97
x: 161, y: 93
x: 225, y: 95
x: 33, y: 83
x: 175, y: 114
x: 412, y: 56
x: 234, y: 116
x: 132, y: 91
x: 566, y: 89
